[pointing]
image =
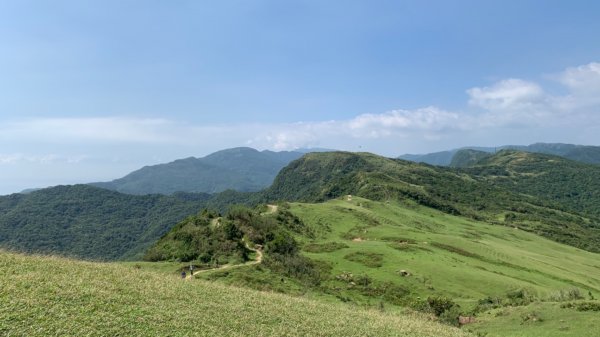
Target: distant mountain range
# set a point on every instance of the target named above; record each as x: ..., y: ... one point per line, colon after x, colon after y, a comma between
x: 242, y: 169
x: 582, y: 153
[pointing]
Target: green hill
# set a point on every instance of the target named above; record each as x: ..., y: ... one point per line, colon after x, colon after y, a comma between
x: 399, y: 254
x: 84, y: 221
x: 242, y: 169
x: 89, y: 222
x: 573, y: 185
x: 318, y: 177
x: 46, y: 296
x: 467, y: 157
x: 582, y: 153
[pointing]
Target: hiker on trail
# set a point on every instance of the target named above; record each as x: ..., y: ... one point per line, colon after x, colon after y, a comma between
x: 191, y: 269
x: 183, y: 274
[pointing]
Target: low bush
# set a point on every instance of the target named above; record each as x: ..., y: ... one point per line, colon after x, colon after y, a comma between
x: 372, y: 260
x: 582, y: 306
x: 566, y: 295
x: 520, y: 297
x: 326, y: 247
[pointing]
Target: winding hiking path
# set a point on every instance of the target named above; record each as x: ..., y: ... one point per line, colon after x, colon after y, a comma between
x: 259, y: 254
x: 259, y: 258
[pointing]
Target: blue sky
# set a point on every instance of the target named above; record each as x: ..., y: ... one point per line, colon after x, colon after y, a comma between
x: 90, y: 90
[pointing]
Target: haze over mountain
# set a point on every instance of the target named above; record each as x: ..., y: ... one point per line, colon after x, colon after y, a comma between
x: 242, y: 169
x: 583, y: 153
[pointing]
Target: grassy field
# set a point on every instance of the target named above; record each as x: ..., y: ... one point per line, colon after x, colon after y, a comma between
x: 48, y: 296
x: 455, y: 257
x: 537, y: 319
x: 391, y: 255
x: 444, y: 254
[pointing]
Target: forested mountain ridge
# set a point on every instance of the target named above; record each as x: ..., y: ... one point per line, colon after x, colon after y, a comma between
x: 243, y: 169
x: 573, y: 185
x: 582, y: 153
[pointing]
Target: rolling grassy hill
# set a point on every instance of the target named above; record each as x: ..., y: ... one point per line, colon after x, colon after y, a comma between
x: 46, y: 296
x: 387, y: 254
x: 468, y: 192
x: 446, y: 254
x: 243, y: 169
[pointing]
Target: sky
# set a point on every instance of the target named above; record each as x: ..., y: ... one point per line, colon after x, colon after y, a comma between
x: 92, y: 90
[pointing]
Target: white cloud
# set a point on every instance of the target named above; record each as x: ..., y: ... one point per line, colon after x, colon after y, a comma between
x: 583, y: 83
x: 507, y: 104
x: 510, y: 94
x: 585, y: 78
x: 429, y: 118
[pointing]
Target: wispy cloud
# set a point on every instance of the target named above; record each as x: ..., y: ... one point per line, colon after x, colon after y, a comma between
x: 20, y: 158
x: 507, y: 103
x: 45, y: 151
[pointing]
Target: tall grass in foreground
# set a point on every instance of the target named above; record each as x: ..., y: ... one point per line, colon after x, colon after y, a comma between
x: 49, y: 296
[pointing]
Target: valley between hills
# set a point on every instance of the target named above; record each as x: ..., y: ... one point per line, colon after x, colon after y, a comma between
x: 339, y: 244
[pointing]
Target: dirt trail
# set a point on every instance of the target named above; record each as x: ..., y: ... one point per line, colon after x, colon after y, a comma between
x: 259, y: 258
x: 271, y: 209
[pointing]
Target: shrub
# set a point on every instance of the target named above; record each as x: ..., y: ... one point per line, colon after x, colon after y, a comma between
x: 450, y: 315
x: 520, y: 297
x: 531, y: 317
x: 372, y: 260
x: 582, y: 306
x: 566, y: 295
x: 283, y: 244
x: 439, y: 304
x: 327, y: 247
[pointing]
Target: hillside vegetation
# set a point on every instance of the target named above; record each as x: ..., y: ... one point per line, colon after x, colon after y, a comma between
x: 467, y: 157
x: 318, y: 177
x: 398, y: 254
x: 582, y: 153
x: 572, y: 185
x: 242, y: 169
x: 46, y: 296
x: 545, y: 195
x: 89, y: 222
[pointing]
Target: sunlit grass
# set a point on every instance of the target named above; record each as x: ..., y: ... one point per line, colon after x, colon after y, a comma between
x: 49, y: 296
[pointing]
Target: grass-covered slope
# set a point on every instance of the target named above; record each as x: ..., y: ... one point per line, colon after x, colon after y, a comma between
x: 89, y: 222
x: 45, y: 296
x: 318, y: 177
x: 402, y: 254
x: 242, y: 169
x: 446, y: 255
x: 397, y: 254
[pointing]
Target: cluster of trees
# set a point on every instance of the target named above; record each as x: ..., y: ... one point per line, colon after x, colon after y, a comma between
x: 209, y: 239
x: 88, y: 222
